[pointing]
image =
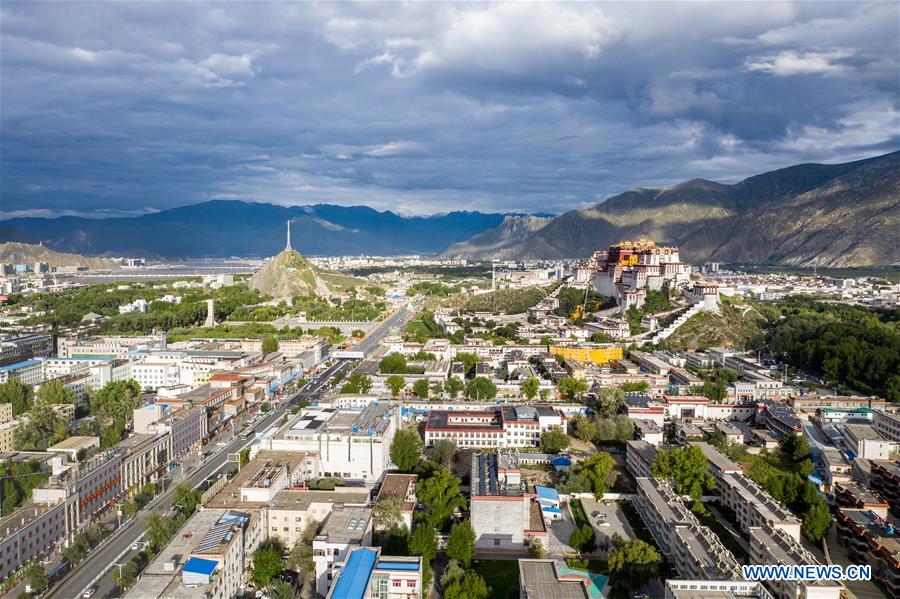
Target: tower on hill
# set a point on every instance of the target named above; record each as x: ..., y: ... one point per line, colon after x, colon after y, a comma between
x: 288, y: 246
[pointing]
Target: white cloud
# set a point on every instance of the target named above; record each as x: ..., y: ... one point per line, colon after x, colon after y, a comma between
x: 790, y: 62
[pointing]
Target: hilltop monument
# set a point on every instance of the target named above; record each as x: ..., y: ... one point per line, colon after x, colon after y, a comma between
x: 288, y: 274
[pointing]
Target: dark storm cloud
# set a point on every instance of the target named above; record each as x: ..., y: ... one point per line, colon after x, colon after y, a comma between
x: 118, y: 108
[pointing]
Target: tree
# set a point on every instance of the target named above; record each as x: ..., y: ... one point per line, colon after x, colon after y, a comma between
x: 481, y: 388
x: 442, y: 452
x: 437, y: 388
x: 571, y: 388
x: 186, y: 499
x: 816, y: 521
x: 37, y: 578
x: 468, y: 359
x: 301, y: 556
x: 357, y: 383
x: 795, y: 448
x: 554, y: 440
x: 468, y: 586
x: 393, y: 364
x: 686, y: 468
x: 454, y: 386
x: 461, y: 543
x: 116, y: 401
x: 267, y: 563
x: 54, y: 392
x: 609, y: 402
x: 406, y: 449
x: 279, y: 589
x: 529, y: 387
x: 598, y: 469
x: 536, y: 549
x: 637, y: 387
x: 583, y: 539
x: 441, y: 496
x: 423, y: 541
x: 159, y: 530
x: 17, y: 393
x: 395, y: 383
x: 584, y: 428
x: 269, y: 345
x: 44, y: 428
x: 633, y: 562
x: 387, y: 513
x: 420, y: 388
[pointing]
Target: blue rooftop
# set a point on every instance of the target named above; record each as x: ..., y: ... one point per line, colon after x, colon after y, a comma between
x: 351, y: 584
x: 17, y: 365
x: 389, y: 565
x: 197, y: 565
x: 547, y: 493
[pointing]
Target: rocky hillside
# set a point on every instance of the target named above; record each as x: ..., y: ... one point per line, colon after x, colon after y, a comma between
x: 287, y: 275
x: 512, y: 229
x: 808, y: 215
x: 28, y: 253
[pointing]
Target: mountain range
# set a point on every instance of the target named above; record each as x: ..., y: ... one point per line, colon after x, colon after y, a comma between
x: 221, y: 228
x: 808, y: 215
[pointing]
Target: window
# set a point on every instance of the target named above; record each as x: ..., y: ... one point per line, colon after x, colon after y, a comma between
x: 496, y: 542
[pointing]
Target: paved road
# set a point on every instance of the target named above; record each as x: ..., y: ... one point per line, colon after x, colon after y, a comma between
x: 109, y: 552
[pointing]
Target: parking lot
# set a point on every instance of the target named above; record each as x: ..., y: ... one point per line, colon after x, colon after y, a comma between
x: 610, y: 521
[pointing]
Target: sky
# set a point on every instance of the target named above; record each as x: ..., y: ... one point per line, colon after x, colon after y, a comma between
x: 118, y: 108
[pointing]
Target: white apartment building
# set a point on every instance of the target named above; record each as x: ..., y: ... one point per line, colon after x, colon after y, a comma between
x: 864, y: 441
x: 347, y: 528
x: 153, y: 375
x: 352, y: 443
x: 30, y: 372
x: 754, y: 507
x: 887, y: 425
x: 772, y: 546
x: 495, y: 427
x: 385, y: 577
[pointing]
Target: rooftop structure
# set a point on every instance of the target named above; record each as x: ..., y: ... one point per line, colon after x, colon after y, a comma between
x: 550, y: 579
x: 367, y: 573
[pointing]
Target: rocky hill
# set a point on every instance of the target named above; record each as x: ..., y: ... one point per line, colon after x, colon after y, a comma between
x: 512, y: 229
x: 807, y: 215
x: 29, y: 253
x: 287, y: 275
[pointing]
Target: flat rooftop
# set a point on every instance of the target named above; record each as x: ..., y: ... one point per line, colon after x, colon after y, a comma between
x: 373, y: 419
x: 718, y: 460
x: 345, y: 525
x: 863, y: 432
x: 548, y: 579
x: 295, y: 499
x: 664, y: 499
x: 752, y: 494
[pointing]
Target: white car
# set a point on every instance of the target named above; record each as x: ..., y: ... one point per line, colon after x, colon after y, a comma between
x: 87, y: 594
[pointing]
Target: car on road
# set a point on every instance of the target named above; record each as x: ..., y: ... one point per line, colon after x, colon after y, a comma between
x: 89, y: 592
x: 138, y: 545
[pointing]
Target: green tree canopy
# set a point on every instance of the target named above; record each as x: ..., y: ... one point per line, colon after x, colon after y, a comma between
x: 461, y: 543
x: 393, y: 364
x: 454, y: 386
x: 54, y: 392
x: 584, y: 428
x: 468, y: 359
x: 633, y: 562
x: 396, y: 384
x: 44, y: 428
x: 267, y: 563
x: 269, y: 345
x: 357, y: 382
x: 481, y: 388
x: 529, y: 387
x: 816, y: 521
x: 608, y: 403
x: 442, y: 452
x: 423, y: 541
x: 17, y: 393
x: 571, y: 388
x: 687, y: 469
x: 554, y: 440
x: 468, y: 586
x: 441, y: 496
x: 406, y: 449
x: 420, y: 388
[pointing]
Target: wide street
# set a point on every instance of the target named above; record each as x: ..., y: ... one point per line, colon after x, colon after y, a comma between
x: 117, y: 549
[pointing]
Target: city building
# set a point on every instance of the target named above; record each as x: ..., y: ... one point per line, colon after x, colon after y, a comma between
x: 6, y: 412
x: 597, y: 354
x: 639, y: 456
x: 773, y: 546
x: 647, y: 430
x: 754, y: 507
x: 887, y: 424
x: 346, y: 528
x: 8, y: 433
x: 292, y: 510
x: 884, y: 478
x: 503, y: 426
x: 863, y: 441
x: 873, y: 540
x: 206, y: 562
x: 18, y: 348
x: 368, y: 574
x: 29, y: 372
x: 28, y: 533
x: 853, y: 495
x: 72, y: 445
x: 552, y: 579
x: 715, y: 589
x: 503, y: 513
x: 401, y: 487
x: 352, y: 443
x: 719, y: 464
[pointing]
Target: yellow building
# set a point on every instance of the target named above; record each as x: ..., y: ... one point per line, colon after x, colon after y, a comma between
x: 6, y: 412
x: 597, y: 355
